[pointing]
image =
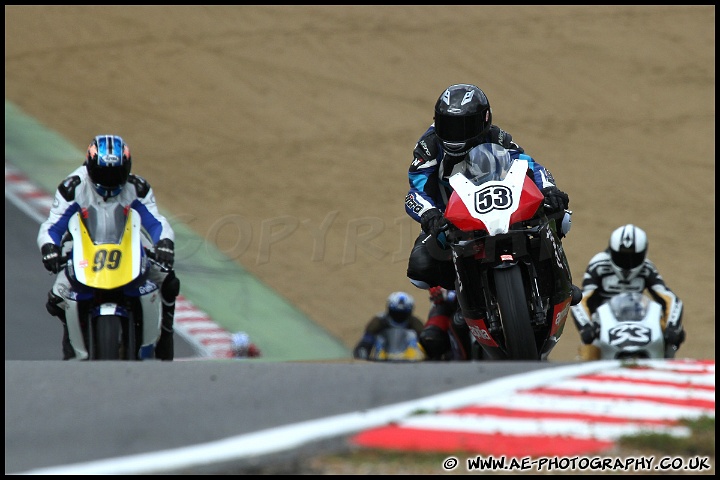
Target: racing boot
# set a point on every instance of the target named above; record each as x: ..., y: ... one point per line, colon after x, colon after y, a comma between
x: 68, y: 350
x: 54, y: 309
x: 674, y: 337
x: 165, y: 348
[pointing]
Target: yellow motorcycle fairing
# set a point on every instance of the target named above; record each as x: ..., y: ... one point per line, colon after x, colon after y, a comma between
x: 397, y: 345
x: 107, y: 266
x: 410, y: 354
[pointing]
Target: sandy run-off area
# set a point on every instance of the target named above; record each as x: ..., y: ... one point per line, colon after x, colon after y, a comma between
x: 300, y: 121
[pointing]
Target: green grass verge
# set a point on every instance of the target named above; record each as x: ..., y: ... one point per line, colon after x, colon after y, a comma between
x: 701, y: 442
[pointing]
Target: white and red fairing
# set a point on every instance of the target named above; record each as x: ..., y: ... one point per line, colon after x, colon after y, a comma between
x: 494, y: 205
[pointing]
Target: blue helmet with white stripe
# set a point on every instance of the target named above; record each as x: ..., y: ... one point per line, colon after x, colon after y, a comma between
x: 108, y: 164
x: 400, y: 302
x: 400, y: 305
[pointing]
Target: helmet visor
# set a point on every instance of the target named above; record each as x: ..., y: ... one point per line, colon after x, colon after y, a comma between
x: 109, y: 177
x: 455, y: 128
x: 399, y: 316
x: 627, y: 260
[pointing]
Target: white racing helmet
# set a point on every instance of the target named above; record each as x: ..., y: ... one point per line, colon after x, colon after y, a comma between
x: 628, y: 249
x: 240, y: 344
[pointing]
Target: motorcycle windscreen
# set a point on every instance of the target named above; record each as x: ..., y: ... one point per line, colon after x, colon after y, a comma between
x: 630, y: 327
x: 397, y: 344
x: 495, y: 205
x: 107, y: 265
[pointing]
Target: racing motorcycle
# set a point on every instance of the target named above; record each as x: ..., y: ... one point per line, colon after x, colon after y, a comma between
x: 397, y: 344
x: 107, y: 261
x: 512, y: 276
x: 630, y: 328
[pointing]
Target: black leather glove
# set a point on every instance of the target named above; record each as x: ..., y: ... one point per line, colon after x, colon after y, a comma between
x: 432, y: 221
x: 589, y: 332
x: 674, y: 336
x: 555, y: 199
x: 165, y: 253
x: 362, y: 351
x: 499, y: 136
x: 51, y: 257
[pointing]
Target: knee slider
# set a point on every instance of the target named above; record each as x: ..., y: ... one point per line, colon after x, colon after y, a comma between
x: 53, y: 306
x: 171, y: 287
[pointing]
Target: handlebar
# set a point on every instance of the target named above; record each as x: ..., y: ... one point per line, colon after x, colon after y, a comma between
x: 148, y: 251
x: 558, y: 215
x: 532, y: 223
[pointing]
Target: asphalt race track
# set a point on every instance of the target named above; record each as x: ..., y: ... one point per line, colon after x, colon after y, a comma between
x: 61, y: 413
x: 204, y: 414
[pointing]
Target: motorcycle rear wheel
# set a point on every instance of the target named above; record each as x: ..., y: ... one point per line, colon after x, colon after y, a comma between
x: 515, y: 317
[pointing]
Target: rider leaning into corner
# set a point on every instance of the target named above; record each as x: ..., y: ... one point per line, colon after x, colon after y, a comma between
x: 462, y: 120
x: 105, y: 178
x: 624, y: 267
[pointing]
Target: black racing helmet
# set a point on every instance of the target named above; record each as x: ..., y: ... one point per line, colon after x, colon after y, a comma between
x: 108, y: 164
x: 462, y: 117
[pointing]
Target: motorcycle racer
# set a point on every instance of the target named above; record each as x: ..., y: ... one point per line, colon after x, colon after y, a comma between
x: 624, y: 267
x: 444, y: 330
x: 398, y: 314
x: 462, y: 120
x: 242, y: 347
x: 105, y: 178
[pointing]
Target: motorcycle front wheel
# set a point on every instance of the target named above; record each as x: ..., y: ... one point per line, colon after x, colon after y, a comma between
x: 106, y: 337
x: 514, y: 314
